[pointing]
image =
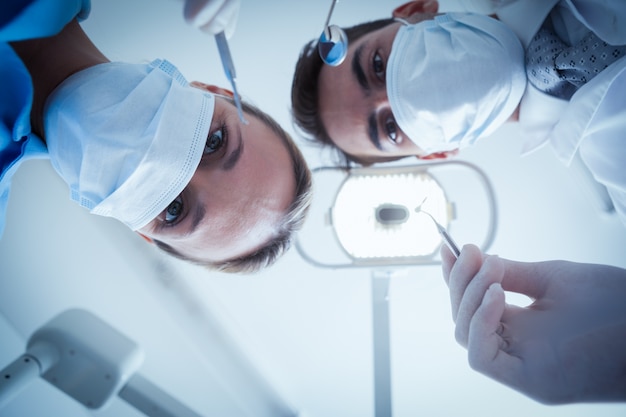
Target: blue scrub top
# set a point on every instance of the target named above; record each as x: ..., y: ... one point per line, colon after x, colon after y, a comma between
x: 20, y: 20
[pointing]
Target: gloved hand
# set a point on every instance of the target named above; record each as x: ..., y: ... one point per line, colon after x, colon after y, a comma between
x: 568, y: 346
x: 212, y: 16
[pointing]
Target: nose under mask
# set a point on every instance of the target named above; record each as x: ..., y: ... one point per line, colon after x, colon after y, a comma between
x: 454, y: 79
x: 127, y: 138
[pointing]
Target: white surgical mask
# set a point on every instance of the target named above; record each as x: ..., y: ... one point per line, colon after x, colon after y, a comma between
x: 454, y: 79
x: 127, y: 138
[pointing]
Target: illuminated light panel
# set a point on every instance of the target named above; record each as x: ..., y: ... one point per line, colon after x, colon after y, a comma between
x: 362, y: 236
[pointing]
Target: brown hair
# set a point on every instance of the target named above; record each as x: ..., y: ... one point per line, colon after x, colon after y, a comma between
x: 292, y: 221
x: 304, y: 91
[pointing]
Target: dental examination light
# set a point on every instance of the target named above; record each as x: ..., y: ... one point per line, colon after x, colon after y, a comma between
x: 388, y: 217
x: 396, y: 215
x: 333, y: 42
x: 91, y: 362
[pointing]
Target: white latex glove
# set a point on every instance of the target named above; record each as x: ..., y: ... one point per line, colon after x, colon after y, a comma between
x: 568, y: 346
x: 212, y: 16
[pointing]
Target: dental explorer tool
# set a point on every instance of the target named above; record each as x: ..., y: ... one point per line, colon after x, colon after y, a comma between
x: 229, y: 69
x: 442, y: 231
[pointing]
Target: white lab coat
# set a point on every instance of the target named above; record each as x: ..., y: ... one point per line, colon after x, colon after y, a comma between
x: 593, y: 121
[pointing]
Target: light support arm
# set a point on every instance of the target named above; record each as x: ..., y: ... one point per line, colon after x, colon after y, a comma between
x: 16, y: 376
x: 25, y: 369
x: 151, y: 400
x: 381, y: 343
x: 91, y: 362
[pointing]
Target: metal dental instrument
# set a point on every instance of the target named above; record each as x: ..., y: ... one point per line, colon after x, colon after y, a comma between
x: 442, y: 231
x: 333, y: 42
x: 229, y: 69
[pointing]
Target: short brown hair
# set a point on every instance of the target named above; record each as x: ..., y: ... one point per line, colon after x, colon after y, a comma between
x: 304, y: 90
x: 269, y: 253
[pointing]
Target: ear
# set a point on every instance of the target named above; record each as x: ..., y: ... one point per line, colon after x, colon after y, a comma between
x: 416, y: 6
x: 144, y: 237
x: 212, y: 89
x: 439, y: 155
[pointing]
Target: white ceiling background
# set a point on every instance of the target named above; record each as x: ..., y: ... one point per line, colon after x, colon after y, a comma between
x: 306, y: 331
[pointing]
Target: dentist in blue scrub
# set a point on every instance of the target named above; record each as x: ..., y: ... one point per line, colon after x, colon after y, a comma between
x: 137, y: 142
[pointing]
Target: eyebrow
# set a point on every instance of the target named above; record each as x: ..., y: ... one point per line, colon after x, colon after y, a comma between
x: 198, y: 215
x: 372, y: 131
x: 229, y: 164
x: 234, y: 156
x: 357, y: 69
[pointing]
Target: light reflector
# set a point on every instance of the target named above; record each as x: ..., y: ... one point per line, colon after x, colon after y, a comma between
x: 374, y: 215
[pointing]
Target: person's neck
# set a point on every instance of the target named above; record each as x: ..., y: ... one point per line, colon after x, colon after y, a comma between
x: 515, y: 116
x: 51, y: 60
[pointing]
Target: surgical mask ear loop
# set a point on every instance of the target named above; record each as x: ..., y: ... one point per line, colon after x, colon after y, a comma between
x: 401, y: 20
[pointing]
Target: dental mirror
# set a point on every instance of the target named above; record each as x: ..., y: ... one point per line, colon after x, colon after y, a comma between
x: 333, y: 42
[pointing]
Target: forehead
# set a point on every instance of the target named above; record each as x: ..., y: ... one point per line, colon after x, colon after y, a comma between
x: 344, y: 106
x: 379, y: 39
x: 246, y: 204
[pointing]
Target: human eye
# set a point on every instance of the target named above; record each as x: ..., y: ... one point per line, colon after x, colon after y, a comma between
x: 215, y: 141
x: 378, y: 66
x: 391, y: 130
x: 173, y: 212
